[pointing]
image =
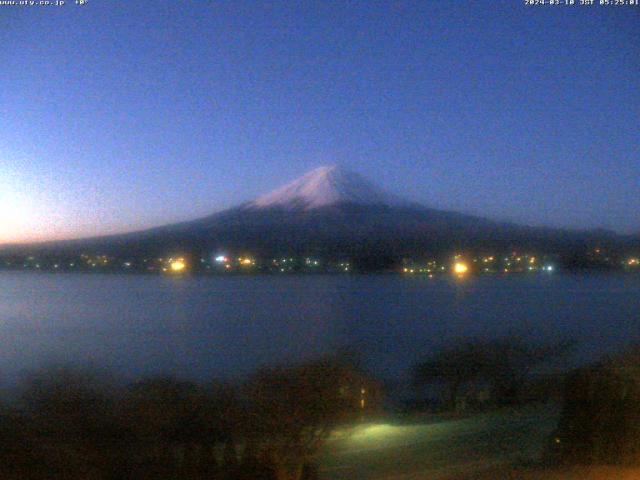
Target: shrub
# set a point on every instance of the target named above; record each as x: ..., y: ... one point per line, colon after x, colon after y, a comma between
x: 600, y: 421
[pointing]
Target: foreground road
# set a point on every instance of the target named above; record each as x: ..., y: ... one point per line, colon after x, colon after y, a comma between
x: 431, y: 450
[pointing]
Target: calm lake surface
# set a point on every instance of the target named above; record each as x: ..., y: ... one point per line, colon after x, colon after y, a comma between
x: 201, y: 327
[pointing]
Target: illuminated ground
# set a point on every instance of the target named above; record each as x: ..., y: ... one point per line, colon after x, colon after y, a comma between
x: 444, y: 449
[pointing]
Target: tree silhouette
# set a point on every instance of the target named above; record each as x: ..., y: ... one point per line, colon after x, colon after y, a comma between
x: 294, y: 409
x: 504, y: 365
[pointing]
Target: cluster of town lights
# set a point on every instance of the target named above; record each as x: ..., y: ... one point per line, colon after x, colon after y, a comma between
x: 461, y: 265
x: 174, y: 265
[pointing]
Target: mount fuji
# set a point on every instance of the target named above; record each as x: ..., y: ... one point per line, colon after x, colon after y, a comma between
x: 335, y: 212
x: 326, y: 186
x: 329, y: 210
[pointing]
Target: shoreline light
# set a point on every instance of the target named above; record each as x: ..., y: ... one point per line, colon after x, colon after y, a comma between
x: 178, y: 265
x: 460, y: 268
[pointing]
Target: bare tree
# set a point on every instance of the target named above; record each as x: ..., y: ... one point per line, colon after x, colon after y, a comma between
x: 453, y: 367
x: 294, y: 409
x: 504, y: 365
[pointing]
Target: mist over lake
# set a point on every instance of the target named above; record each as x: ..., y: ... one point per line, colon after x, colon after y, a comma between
x: 203, y: 327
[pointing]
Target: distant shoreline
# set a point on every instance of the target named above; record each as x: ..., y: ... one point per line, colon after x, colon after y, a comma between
x: 569, y: 271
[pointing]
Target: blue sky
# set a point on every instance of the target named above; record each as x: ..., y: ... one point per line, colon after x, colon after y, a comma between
x: 122, y: 115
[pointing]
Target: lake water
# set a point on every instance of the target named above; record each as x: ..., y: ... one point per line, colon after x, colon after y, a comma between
x: 201, y: 327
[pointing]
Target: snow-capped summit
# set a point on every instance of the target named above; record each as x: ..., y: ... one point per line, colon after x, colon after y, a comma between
x: 324, y: 186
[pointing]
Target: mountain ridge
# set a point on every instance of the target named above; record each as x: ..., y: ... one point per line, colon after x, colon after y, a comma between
x: 331, y: 210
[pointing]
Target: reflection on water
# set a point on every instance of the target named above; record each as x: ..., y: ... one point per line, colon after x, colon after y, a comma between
x: 224, y: 326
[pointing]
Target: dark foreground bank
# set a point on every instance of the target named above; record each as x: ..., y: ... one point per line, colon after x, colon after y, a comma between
x: 318, y: 419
